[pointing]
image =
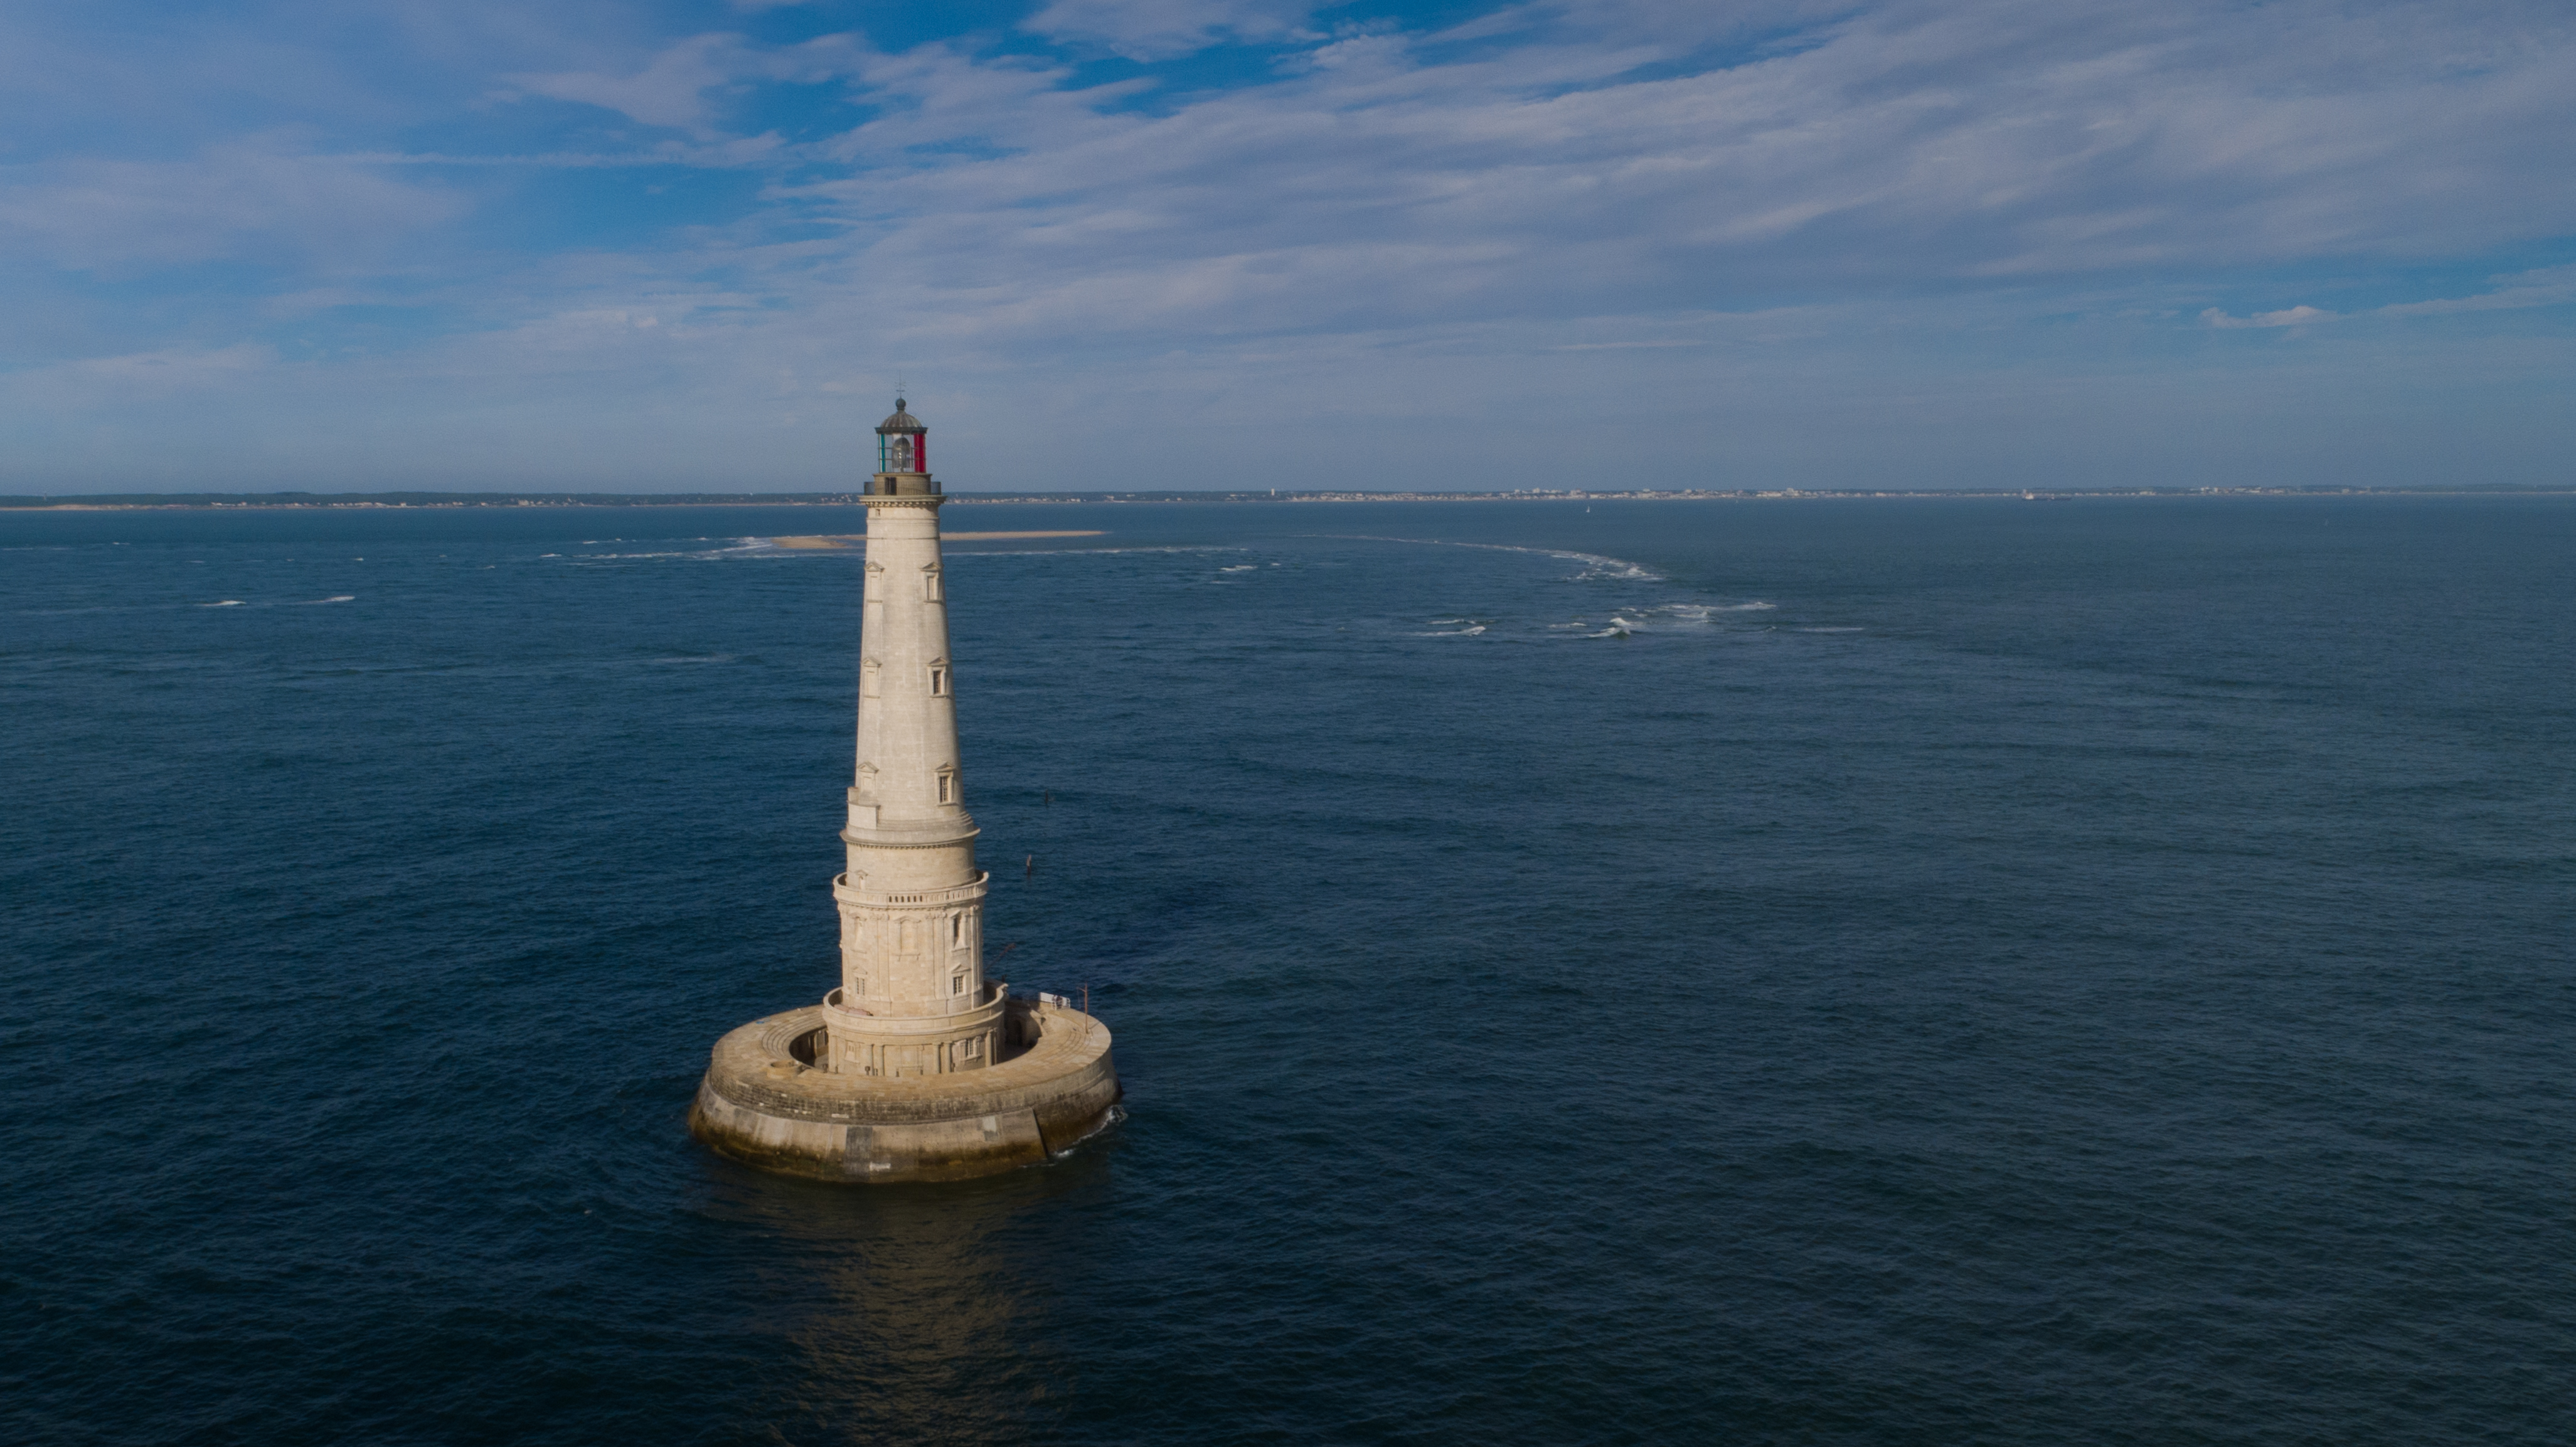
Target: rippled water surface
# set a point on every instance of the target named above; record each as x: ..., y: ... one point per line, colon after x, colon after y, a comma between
x: 1804, y: 972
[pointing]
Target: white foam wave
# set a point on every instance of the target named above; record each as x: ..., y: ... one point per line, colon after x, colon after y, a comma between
x: 227, y: 603
x: 1595, y: 564
x: 317, y: 602
x: 738, y: 547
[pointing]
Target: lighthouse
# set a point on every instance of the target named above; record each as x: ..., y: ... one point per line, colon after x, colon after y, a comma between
x: 912, y: 1000
x: 913, y: 1066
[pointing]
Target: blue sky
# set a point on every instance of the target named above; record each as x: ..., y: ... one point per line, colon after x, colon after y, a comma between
x: 1261, y: 243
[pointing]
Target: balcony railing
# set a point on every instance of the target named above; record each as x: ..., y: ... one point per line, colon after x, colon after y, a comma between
x: 861, y: 894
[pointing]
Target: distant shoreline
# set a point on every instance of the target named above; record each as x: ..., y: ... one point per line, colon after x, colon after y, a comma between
x: 420, y: 501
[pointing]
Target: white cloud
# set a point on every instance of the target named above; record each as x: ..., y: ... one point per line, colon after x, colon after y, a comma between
x: 2297, y: 316
x: 238, y: 200
x: 175, y: 367
x: 1159, y: 29
x: 1908, y: 145
x: 2553, y: 286
x: 671, y: 90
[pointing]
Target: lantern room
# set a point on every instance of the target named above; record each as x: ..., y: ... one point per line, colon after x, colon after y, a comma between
x: 903, y: 444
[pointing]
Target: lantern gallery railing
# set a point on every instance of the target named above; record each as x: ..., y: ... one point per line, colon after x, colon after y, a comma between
x: 904, y: 484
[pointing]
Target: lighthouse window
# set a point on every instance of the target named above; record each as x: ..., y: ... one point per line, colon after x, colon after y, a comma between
x: 868, y: 678
x: 938, y: 680
x: 876, y: 582
x: 947, y: 787
x: 930, y: 583
x: 957, y: 984
x: 957, y: 929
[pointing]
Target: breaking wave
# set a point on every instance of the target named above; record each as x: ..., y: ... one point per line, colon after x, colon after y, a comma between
x: 1594, y: 564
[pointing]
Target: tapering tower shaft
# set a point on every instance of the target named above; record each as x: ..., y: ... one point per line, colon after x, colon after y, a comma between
x: 913, y: 999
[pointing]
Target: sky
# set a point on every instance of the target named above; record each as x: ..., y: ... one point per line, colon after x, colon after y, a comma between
x: 1147, y: 244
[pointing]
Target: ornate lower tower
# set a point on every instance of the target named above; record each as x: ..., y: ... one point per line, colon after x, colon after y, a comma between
x: 915, y: 1066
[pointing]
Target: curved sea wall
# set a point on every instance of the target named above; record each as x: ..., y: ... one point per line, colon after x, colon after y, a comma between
x: 765, y: 1103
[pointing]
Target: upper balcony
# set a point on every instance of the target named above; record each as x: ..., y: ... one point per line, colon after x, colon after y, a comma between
x: 901, y: 484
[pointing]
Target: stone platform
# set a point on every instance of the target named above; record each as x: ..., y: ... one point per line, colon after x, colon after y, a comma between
x: 765, y: 1103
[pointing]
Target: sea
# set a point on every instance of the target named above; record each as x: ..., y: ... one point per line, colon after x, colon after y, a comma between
x: 1804, y: 970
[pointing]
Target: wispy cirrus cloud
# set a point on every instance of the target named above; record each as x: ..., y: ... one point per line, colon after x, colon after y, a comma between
x: 2549, y: 287
x: 1160, y: 29
x: 672, y: 88
x: 236, y: 200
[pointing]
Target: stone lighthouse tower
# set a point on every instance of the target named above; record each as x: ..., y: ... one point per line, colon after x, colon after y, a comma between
x: 915, y: 1066
x: 913, y: 1000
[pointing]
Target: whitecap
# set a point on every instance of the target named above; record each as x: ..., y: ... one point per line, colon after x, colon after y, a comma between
x: 739, y: 547
x: 1595, y: 565
x: 227, y: 603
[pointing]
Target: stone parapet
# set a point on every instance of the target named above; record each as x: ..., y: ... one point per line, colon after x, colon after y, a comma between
x: 858, y: 1042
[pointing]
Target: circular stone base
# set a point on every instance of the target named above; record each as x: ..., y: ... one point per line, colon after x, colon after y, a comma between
x: 765, y: 1104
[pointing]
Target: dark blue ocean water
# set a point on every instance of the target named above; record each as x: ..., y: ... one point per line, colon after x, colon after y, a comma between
x: 1800, y: 972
